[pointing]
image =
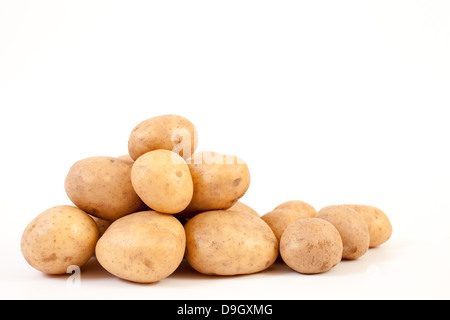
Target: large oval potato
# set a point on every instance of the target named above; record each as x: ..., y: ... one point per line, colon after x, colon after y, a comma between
x: 163, y: 181
x: 58, y: 238
x: 143, y: 247
x: 311, y: 246
x: 352, y: 228
x: 219, y: 182
x: 101, y: 186
x: 380, y: 227
x: 169, y: 132
x: 229, y: 243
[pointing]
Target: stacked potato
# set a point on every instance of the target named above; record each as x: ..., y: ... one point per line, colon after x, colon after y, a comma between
x: 141, y: 214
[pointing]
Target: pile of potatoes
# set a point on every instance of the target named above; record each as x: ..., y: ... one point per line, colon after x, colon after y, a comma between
x: 141, y: 214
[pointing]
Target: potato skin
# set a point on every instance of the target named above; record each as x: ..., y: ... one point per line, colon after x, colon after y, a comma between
x: 311, y: 246
x: 163, y: 181
x: 352, y: 228
x: 380, y: 227
x: 101, y: 186
x: 279, y: 219
x: 143, y: 247
x: 168, y: 132
x: 59, y: 237
x: 229, y: 243
x: 242, y: 207
x: 302, y: 207
x: 219, y: 182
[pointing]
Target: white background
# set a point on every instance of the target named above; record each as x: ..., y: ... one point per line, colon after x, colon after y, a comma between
x: 328, y: 102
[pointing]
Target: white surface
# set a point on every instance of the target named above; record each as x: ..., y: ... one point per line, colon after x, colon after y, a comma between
x: 327, y: 101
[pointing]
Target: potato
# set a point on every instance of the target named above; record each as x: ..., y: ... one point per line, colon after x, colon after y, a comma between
x: 163, y: 181
x: 242, y: 207
x: 352, y: 228
x: 219, y: 182
x: 229, y: 243
x: 142, y: 247
x: 302, y: 207
x: 279, y: 219
x: 169, y: 132
x: 125, y: 157
x: 102, y: 225
x: 380, y: 227
x: 58, y: 238
x: 101, y: 186
x: 311, y: 246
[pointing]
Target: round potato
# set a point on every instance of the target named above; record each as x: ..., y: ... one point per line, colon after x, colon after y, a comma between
x: 169, y: 132
x: 304, y: 208
x: 163, y: 181
x: 279, y: 219
x: 352, y: 228
x: 229, y: 243
x: 242, y: 207
x: 58, y: 238
x: 311, y: 246
x: 142, y: 247
x: 101, y: 186
x: 219, y: 182
x: 380, y: 227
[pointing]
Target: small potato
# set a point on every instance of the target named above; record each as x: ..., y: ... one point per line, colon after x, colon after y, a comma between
x: 242, y: 207
x: 58, y: 238
x: 380, y: 227
x: 311, y: 246
x: 102, y: 225
x: 163, y: 181
x: 302, y: 207
x: 352, y: 228
x: 142, y: 247
x: 219, y: 182
x: 101, y: 186
x: 229, y: 243
x: 169, y: 132
x: 279, y: 219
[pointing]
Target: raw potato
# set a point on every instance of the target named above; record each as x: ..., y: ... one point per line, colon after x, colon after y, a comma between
x: 219, y: 182
x: 279, y: 219
x: 352, y: 228
x: 302, y: 207
x: 58, y: 238
x: 380, y: 227
x: 229, y: 243
x: 242, y: 207
x: 101, y: 186
x: 143, y: 247
x: 102, y: 225
x: 169, y: 132
x: 311, y: 246
x: 125, y: 157
x: 163, y: 181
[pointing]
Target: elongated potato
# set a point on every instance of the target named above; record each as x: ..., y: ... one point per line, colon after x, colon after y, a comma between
x: 229, y: 243
x: 380, y: 227
x: 219, y: 182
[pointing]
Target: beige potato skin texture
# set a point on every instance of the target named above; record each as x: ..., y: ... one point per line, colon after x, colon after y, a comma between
x: 219, y: 182
x: 302, y: 207
x: 101, y: 186
x: 143, y: 247
x: 311, y: 246
x: 229, y: 243
x: 242, y: 207
x: 163, y: 181
x: 352, y: 228
x: 279, y: 219
x: 380, y: 227
x: 59, y: 237
x: 161, y: 133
